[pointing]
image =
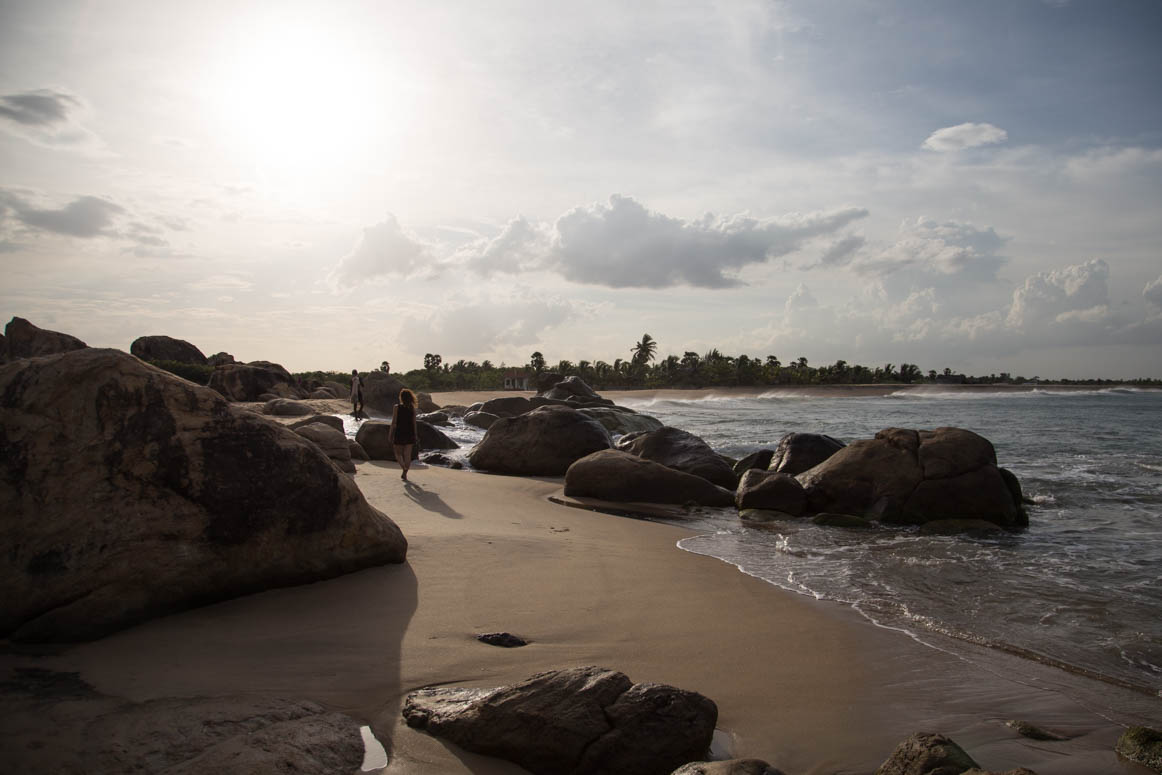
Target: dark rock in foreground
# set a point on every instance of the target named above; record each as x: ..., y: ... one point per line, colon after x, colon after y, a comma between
x: 166, y: 348
x: 128, y: 493
x: 927, y: 754
x: 67, y: 726
x: 728, y: 767
x: 24, y: 340
x: 682, y: 451
x: 614, y: 475
x: 1142, y: 745
x: 544, y: 442
x: 580, y: 721
x: 504, y: 640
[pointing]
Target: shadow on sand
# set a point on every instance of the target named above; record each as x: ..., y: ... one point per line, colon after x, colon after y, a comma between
x: 430, y: 501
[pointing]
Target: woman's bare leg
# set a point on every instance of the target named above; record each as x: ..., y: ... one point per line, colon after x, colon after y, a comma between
x: 403, y: 456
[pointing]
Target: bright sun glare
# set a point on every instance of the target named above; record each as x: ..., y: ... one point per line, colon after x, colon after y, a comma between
x: 299, y: 99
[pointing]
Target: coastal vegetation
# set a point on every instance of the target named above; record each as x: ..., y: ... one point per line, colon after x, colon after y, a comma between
x: 693, y: 370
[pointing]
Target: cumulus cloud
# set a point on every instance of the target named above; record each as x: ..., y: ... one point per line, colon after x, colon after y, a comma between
x: 961, y: 136
x: 384, y: 249
x: 618, y: 244
x: 622, y: 244
x: 1153, y: 292
x: 948, y: 248
x: 1078, y: 292
x: 49, y: 118
x: 520, y: 246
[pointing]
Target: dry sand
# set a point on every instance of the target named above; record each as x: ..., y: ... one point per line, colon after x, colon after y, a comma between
x: 808, y: 686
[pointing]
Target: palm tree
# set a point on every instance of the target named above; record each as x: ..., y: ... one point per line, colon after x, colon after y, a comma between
x: 643, y: 351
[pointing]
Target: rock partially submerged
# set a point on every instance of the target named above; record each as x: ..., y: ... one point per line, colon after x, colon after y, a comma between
x: 682, y: 451
x: 543, y: 442
x: 911, y: 477
x: 799, y: 452
x: 1142, y: 745
x: 925, y: 753
x: 128, y: 493
x: 614, y: 475
x: 579, y: 721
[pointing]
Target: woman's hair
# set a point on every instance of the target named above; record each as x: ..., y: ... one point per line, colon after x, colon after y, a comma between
x: 407, y: 398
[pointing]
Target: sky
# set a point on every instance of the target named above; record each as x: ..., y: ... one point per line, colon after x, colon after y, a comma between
x: 965, y: 185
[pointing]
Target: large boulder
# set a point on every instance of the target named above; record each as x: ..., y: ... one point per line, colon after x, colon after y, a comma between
x: 252, y: 381
x: 128, y: 493
x: 374, y: 436
x: 287, y: 407
x: 728, y: 767
x: 332, y: 442
x: 220, y: 359
x: 506, y: 406
x: 482, y: 420
x: 325, y: 419
x: 545, y: 441
x: 771, y: 491
x: 1142, y: 745
x: 913, y: 477
x: 798, y: 452
x: 55, y: 722
x: 431, y: 437
x: 166, y: 348
x: 613, y: 475
x: 574, y: 391
x: 619, y: 420
x: 683, y: 451
x: 380, y: 391
x: 925, y: 753
x: 579, y: 721
x: 24, y: 340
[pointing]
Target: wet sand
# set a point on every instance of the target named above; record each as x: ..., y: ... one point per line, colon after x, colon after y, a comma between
x: 808, y: 686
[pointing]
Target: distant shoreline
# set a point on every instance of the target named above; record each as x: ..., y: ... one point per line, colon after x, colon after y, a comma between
x: 468, y: 397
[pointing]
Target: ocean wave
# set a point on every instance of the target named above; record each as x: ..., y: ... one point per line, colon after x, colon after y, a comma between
x: 981, y: 394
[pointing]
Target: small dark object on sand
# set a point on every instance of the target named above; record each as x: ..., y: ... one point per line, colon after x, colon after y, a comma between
x: 503, y: 639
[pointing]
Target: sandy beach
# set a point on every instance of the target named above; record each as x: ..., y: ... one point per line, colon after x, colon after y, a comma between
x: 808, y: 686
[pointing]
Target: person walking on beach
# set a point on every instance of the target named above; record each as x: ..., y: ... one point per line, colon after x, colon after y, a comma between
x: 403, y: 430
x: 356, y: 393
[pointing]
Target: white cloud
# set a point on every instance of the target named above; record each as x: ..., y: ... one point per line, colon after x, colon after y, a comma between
x: 961, y: 136
x: 384, y: 249
x: 1153, y: 292
x: 622, y: 244
x: 1051, y: 296
x: 949, y: 248
x: 520, y: 246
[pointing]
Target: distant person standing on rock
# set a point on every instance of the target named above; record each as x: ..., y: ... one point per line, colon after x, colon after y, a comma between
x: 403, y: 430
x: 356, y: 393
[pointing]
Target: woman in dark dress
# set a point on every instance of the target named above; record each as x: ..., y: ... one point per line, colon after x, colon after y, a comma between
x: 403, y: 430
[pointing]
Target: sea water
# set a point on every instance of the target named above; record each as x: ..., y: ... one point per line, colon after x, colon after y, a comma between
x: 1081, y: 589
